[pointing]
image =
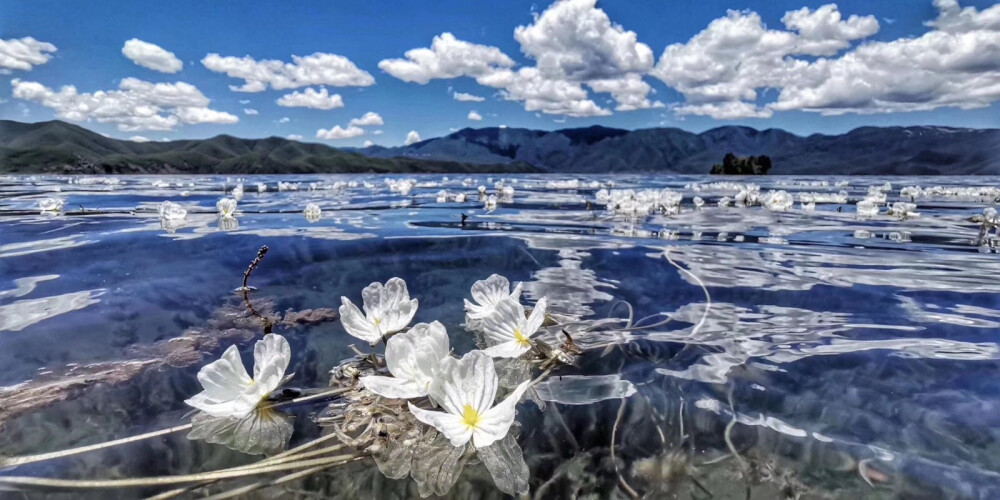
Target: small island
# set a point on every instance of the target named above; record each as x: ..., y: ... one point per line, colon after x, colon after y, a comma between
x: 734, y: 165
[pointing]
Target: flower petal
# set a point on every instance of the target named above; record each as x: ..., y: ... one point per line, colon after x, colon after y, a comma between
x: 537, y: 317
x: 356, y: 323
x: 416, y: 354
x: 394, y: 388
x: 509, y: 349
x: 471, y: 381
x: 373, y: 301
x: 271, y: 356
x: 451, y: 426
x: 490, y: 290
x: 495, y: 422
x: 499, y: 327
x: 225, y: 378
x: 516, y: 293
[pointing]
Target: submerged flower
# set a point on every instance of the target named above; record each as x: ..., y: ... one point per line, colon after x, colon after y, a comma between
x: 466, y: 389
x: 510, y: 331
x: 229, y: 390
x: 414, y: 360
x: 388, y: 309
x: 226, y: 207
x: 488, y: 293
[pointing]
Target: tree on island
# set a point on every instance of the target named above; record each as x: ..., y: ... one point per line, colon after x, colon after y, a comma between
x: 734, y: 165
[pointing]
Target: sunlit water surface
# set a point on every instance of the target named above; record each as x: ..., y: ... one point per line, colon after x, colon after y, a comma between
x: 858, y: 357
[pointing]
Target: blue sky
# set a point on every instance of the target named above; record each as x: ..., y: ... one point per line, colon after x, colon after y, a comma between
x: 828, y: 74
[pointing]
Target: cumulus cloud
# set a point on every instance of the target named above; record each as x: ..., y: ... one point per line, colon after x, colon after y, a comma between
x: 814, y: 68
x: 151, y: 56
x: 136, y: 105
x: 311, y: 98
x: 368, y: 144
x: 337, y: 133
x: 316, y: 69
x: 250, y: 111
x: 367, y: 120
x: 629, y: 91
x: 284, y: 119
x: 138, y: 138
x: 551, y: 96
x: 447, y: 57
x: 412, y: 138
x: 294, y: 137
x: 23, y: 53
x: 462, y: 96
x: 574, y: 39
x: 475, y: 116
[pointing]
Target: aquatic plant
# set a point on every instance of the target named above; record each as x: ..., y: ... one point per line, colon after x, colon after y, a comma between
x: 51, y: 205
x: 312, y: 212
x: 388, y: 309
x: 228, y: 389
x: 488, y: 294
x: 414, y: 359
x: 226, y: 207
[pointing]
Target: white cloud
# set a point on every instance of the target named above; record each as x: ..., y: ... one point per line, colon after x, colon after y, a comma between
x: 813, y: 68
x: 574, y: 39
x: 369, y: 119
x: 462, y: 96
x: 538, y: 93
x: 337, y: 133
x: 138, y: 138
x: 310, y: 98
x: 294, y: 137
x: 244, y: 101
x: 378, y: 132
x: 136, y: 105
x: 368, y: 144
x: 475, y: 116
x: 412, y: 138
x: 284, y: 119
x: 250, y: 111
x: 629, y: 91
x: 24, y: 53
x: 151, y: 56
x: 447, y: 57
x: 316, y: 69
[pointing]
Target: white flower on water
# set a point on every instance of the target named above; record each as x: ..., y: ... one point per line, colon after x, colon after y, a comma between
x: 488, y: 293
x: 698, y: 202
x: 312, y: 212
x: 51, y: 204
x: 460, y: 198
x: 261, y: 187
x: 229, y: 390
x: 465, y: 389
x: 414, y: 359
x: 226, y: 207
x: 491, y: 203
x: 172, y: 211
x: 238, y: 192
x: 510, y: 331
x: 442, y: 196
x: 388, y: 309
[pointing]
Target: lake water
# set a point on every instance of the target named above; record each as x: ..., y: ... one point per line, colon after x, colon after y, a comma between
x: 841, y: 356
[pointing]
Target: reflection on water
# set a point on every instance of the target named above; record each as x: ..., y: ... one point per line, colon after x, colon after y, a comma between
x: 838, y: 355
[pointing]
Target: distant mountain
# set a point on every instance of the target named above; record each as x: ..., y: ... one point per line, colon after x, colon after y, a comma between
x: 59, y: 147
x: 866, y: 150
x: 63, y: 148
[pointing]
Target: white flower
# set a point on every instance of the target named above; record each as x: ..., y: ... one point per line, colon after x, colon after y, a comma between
x: 229, y: 391
x: 491, y: 203
x: 238, y: 192
x: 172, y: 211
x: 388, y: 309
x: 312, y: 212
x: 414, y: 360
x: 51, y: 204
x: 466, y: 389
x: 226, y: 207
x: 510, y: 331
x: 488, y: 293
x: 261, y: 187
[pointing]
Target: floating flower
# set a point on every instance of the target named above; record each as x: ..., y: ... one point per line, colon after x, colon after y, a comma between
x: 261, y: 187
x: 229, y: 391
x: 510, y: 331
x: 388, y: 309
x: 698, y: 202
x: 226, y: 207
x: 171, y: 211
x: 312, y: 212
x: 466, y: 389
x: 488, y: 293
x: 238, y: 192
x: 51, y: 204
x: 491, y: 203
x: 414, y: 360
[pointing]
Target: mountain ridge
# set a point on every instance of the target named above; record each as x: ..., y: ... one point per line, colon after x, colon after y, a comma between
x: 60, y: 147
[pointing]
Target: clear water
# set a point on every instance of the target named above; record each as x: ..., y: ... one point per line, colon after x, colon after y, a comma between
x: 847, y: 350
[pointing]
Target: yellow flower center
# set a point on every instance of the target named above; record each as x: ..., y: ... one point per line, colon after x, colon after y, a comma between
x: 520, y: 338
x: 378, y: 321
x: 470, y: 416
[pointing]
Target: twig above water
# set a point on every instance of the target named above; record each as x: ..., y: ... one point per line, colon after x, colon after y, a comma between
x: 268, y: 324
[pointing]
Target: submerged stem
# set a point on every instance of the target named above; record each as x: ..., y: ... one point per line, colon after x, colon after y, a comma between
x: 29, y: 459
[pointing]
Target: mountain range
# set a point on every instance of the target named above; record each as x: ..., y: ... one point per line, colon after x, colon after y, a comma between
x: 866, y: 150
x: 59, y: 147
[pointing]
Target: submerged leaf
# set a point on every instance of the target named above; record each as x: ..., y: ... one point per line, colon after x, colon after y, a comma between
x: 505, y: 461
x: 395, y: 458
x: 437, y: 464
x: 262, y: 432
